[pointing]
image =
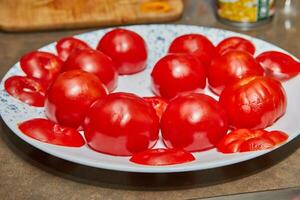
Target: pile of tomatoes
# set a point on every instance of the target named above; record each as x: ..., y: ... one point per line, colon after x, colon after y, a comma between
x: 76, y: 89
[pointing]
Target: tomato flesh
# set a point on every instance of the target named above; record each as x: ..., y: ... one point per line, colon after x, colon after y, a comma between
x: 49, y: 132
x: 28, y: 90
x: 243, y: 140
x: 235, y: 43
x: 126, y: 48
x: 68, y: 45
x: 278, y: 65
x: 41, y: 65
x: 158, y: 103
x: 160, y: 157
x: 94, y: 62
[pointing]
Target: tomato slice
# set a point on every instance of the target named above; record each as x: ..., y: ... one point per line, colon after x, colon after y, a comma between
x: 47, y: 131
x: 41, y: 65
x: 278, y: 65
x: 28, y: 90
x: 66, y: 46
x: 242, y: 140
x: 158, y: 103
x: 235, y: 43
x: 158, y: 157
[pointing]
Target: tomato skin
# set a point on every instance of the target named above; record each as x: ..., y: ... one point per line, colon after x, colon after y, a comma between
x: 28, y: 90
x: 243, y: 140
x: 126, y: 48
x: 235, y: 43
x: 121, y: 124
x: 158, y: 103
x: 68, y: 45
x: 193, y: 122
x: 41, y: 65
x: 195, y: 44
x: 160, y: 157
x: 254, y: 102
x: 71, y: 95
x: 230, y: 67
x: 47, y: 131
x: 94, y: 62
x: 175, y: 74
x: 278, y: 65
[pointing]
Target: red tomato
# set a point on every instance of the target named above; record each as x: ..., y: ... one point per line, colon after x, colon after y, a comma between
x: 195, y: 44
x: 126, y: 48
x: 41, y: 65
x: 66, y: 46
x: 121, y: 124
x: 254, y: 102
x: 26, y: 89
x: 193, y: 122
x: 71, y: 95
x: 158, y: 103
x: 230, y: 67
x: 176, y: 74
x: 242, y: 140
x: 94, y: 62
x: 278, y: 65
x: 159, y: 157
x: 235, y: 43
x: 49, y: 132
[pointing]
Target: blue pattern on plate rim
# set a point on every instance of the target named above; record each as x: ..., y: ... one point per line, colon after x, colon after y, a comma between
x: 158, y: 38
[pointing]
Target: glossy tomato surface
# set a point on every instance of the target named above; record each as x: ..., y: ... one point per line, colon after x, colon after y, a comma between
x: 195, y: 44
x: 159, y: 104
x: 254, y: 102
x: 66, y: 46
x: 28, y: 90
x: 242, y: 140
x: 126, y: 48
x: 159, y: 157
x: 71, y: 95
x: 193, y: 122
x: 230, y: 67
x: 94, y: 62
x: 175, y: 74
x: 47, y: 131
x: 41, y: 65
x: 278, y: 65
x: 121, y: 124
x: 235, y: 43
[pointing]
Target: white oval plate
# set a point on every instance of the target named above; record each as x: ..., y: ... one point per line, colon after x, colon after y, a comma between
x: 158, y: 38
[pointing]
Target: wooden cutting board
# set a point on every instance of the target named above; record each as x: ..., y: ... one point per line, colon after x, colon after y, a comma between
x: 28, y: 15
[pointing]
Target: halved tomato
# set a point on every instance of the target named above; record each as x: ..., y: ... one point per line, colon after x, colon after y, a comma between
x: 235, y: 43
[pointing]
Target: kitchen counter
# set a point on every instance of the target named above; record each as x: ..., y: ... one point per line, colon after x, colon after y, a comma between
x: 27, y: 173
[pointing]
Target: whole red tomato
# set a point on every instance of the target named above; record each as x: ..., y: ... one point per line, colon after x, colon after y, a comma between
x: 193, y: 122
x: 94, y: 62
x: 41, y: 65
x: 254, y: 102
x: 121, y: 124
x: 231, y: 66
x: 194, y: 44
x: 175, y: 74
x: 126, y: 48
x: 66, y: 46
x: 235, y: 43
x: 28, y: 90
x: 71, y: 95
x: 242, y: 140
x: 278, y: 65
